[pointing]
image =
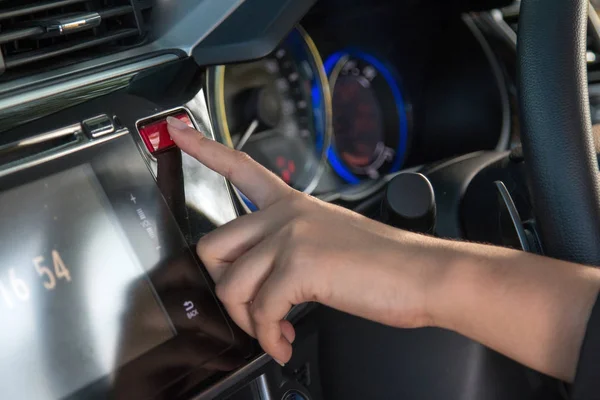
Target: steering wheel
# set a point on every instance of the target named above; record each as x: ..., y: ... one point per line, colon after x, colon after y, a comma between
x: 556, y: 128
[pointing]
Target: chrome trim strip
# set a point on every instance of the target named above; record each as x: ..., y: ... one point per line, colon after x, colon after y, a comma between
x: 263, y: 387
x: 17, y: 116
x: 72, y: 130
x: 61, y: 153
x: 74, y: 23
x: 78, y: 83
x: 106, y: 128
x: 196, y: 175
x: 235, y: 378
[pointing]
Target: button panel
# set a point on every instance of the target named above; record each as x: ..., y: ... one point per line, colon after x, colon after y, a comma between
x: 155, y: 134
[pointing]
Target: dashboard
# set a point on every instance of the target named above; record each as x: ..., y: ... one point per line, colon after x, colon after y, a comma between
x: 101, y: 293
x: 338, y: 108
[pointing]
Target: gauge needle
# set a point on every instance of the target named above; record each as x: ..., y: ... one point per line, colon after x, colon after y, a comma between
x: 251, y: 129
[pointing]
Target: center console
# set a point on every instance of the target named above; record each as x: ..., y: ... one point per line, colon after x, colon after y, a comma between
x: 101, y: 292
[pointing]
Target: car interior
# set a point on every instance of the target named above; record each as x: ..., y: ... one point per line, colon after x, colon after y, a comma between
x: 464, y: 119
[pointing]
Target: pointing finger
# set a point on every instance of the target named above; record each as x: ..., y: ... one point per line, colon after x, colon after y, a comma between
x: 260, y: 185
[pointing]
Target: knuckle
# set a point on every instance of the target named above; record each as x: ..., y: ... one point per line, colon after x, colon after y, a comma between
x: 241, y: 157
x: 296, y: 236
x: 240, y: 162
x: 298, y: 201
x: 259, y: 312
x: 295, y: 256
x: 198, y: 137
x: 301, y: 233
x: 298, y: 227
x: 202, y: 247
x: 223, y: 292
x: 198, y: 142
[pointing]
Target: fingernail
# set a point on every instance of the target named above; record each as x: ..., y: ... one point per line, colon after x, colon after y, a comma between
x: 176, y: 123
x: 279, y: 362
x: 289, y: 336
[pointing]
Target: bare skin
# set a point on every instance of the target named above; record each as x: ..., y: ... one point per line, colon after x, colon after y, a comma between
x: 298, y: 249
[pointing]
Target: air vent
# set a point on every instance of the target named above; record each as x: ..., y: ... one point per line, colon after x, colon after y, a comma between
x: 40, y: 35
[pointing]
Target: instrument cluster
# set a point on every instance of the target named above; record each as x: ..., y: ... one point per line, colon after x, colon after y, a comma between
x: 346, y: 101
x: 344, y: 119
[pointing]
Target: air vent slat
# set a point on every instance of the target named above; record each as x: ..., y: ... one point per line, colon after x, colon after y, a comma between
x: 115, y: 11
x: 20, y: 34
x: 55, y: 51
x: 36, y: 8
x: 37, y: 35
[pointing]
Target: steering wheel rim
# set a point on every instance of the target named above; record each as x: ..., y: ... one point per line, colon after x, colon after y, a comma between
x: 556, y: 128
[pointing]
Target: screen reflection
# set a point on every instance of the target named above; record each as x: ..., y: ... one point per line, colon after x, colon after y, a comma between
x: 154, y: 371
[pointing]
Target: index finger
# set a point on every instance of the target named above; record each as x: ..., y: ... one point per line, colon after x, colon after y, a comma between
x: 259, y: 184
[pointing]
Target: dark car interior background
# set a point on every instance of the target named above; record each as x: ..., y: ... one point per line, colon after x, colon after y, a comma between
x: 406, y: 111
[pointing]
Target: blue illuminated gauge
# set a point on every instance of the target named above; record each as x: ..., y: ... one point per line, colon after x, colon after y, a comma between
x: 370, y: 122
x: 294, y: 395
x: 278, y: 110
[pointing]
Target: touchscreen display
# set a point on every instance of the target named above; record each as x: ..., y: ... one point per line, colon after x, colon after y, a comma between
x: 100, y: 294
x: 62, y: 309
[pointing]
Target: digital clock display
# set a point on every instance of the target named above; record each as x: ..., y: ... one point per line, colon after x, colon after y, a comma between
x: 70, y: 284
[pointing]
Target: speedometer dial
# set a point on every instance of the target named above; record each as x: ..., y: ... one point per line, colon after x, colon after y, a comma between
x: 370, y: 119
x: 278, y: 110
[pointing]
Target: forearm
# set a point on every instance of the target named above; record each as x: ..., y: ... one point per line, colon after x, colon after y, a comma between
x: 532, y: 309
x: 299, y: 249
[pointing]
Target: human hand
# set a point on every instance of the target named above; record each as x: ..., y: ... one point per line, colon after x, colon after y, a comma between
x: 298, y: 249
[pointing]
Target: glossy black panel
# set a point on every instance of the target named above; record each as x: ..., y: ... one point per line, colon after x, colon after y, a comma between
x: 99, y: 294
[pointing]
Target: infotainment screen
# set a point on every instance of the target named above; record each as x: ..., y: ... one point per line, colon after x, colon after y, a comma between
x: 99, y: 293
x: 79, y: 297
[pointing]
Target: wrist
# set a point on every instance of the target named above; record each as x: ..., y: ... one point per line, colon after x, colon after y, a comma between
x: 427, y: 269
x: 440, y: 290
x: 445, y: 278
